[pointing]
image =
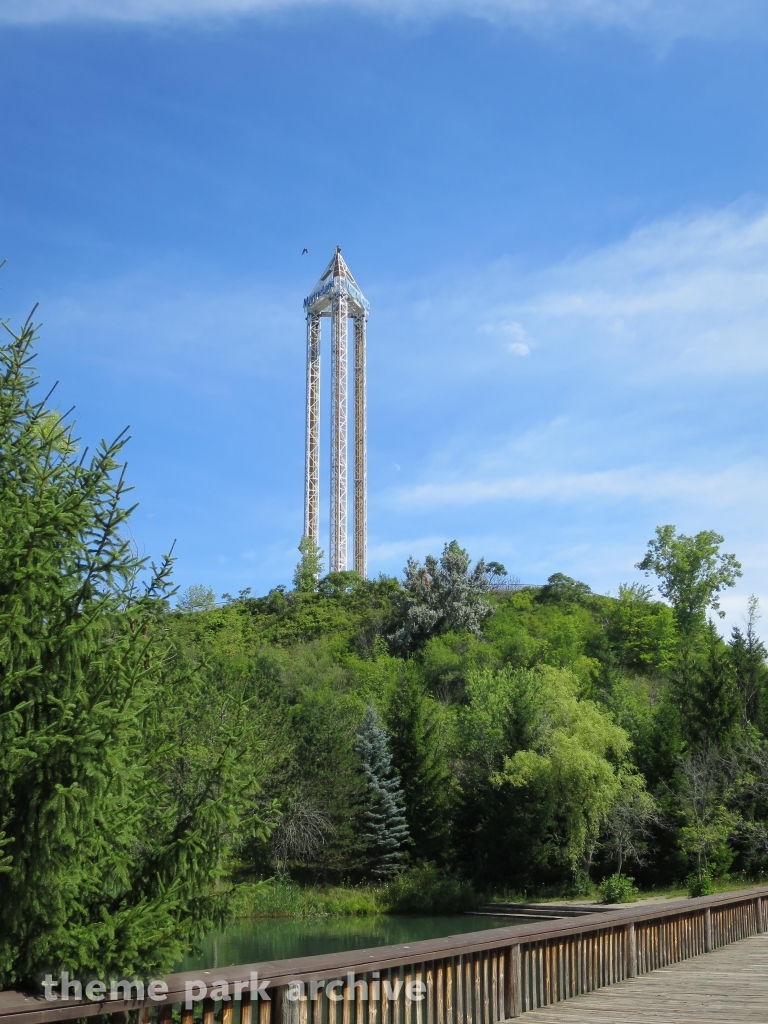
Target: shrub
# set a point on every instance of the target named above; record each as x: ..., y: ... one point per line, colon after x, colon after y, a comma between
x: 582, y: 886
x: 281, y: 897
x: 426, y: 890
x: 700, y: 886
x: 618, y: 889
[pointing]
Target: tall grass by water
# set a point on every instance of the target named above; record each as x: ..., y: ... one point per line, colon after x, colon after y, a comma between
x: 420, y: 890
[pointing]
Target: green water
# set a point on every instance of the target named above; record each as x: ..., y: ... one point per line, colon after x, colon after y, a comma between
x: 259, y: 939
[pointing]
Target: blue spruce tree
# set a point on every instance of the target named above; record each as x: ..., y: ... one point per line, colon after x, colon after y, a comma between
x: 386, y: 830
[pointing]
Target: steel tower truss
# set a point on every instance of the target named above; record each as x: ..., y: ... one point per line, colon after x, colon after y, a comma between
x: 338, y: 297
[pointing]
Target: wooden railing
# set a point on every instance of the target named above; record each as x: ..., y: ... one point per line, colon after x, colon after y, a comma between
x: 476, y: 978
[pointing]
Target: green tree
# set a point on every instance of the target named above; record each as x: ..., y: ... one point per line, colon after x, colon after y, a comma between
x: 704, y: 795
x: 539, y: 773
x: 692, y: 572
x: 564, y: 590
x: 117, y: 809
x: 569, y: 760
x: 420, y: 759
x: 196, y: 598
x: 443, y: 595
x: 641, y: 631
x: 748, y: 657
x: 386, y: 830
x: 629, y: 823
x: 309, y: 568
x: 325, y: 769
x: 706, y: 692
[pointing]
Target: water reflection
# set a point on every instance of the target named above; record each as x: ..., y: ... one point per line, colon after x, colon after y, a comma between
x: 259, y: 939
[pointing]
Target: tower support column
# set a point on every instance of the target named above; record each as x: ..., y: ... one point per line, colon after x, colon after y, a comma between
x: 312, y: 449
x: 360, y: 497
x: 339, y: 357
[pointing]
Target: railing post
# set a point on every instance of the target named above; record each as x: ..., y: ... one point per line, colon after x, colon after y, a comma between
x: 707, y: 930
x: 515, y: 982
x: 631, y: 950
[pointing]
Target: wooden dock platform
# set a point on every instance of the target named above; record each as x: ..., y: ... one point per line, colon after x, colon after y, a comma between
x: 727, y: 986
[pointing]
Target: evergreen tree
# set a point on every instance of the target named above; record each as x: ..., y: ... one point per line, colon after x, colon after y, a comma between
x: 309, y: 567
x: 707, y: 692
x: 118, y: 794
x: 443, y: 595
x: 385, y: 830
x: 748, y: 655
x: 422, y: 767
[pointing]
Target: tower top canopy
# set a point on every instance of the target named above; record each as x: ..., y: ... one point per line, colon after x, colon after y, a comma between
x: 336, y: 278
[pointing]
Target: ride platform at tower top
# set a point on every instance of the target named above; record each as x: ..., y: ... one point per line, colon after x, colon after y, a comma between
x: 337, y: 279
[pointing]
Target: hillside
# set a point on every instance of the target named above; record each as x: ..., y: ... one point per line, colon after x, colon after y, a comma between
x: 564, y: 738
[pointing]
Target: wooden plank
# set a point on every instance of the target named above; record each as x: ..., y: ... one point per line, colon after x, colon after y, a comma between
x: 460, y: 997
x: 469, y: 1016
x: 631, y: 969
x: 449, y: 1000
x: 515, y: 982
x: 729, y: 986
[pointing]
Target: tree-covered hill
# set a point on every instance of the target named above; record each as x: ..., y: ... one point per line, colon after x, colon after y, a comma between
x: 559, y: 735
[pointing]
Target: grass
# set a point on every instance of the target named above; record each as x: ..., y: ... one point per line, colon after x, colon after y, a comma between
x: 727, y: 883
x: 420, y: 890
x: 284, y: 898
x: 424, y: 890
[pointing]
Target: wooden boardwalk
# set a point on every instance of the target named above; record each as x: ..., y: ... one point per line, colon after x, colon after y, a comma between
x: 728, y: 986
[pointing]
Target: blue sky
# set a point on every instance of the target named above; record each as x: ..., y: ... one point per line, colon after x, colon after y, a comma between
x: 558, y: 210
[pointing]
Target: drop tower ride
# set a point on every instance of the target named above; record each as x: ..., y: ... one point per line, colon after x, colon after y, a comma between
x: 338, y: 297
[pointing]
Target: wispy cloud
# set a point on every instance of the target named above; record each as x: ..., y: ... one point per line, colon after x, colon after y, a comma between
x: 734, y: 487
x: 687, y: 295
x: 643, y: 404
x: 517, y: 339
x: 664, y: 19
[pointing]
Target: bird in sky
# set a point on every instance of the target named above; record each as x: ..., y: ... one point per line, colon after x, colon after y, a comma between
x: 303, y: 251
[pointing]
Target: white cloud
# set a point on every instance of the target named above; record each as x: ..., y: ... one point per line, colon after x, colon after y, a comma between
x: 734, y: 486
x: 687, y: 295
x: 519, y: 345
x: 663, y: 19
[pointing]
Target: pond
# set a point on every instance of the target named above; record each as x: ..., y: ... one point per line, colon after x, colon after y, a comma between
x: 259, y: 939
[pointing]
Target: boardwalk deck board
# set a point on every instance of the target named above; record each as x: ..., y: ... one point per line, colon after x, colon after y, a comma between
x: 728, y: 986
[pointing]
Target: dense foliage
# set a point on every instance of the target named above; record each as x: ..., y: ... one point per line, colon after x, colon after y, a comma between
x: 543, y: 736
x: 157, y: 753
x: 126, y: 774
